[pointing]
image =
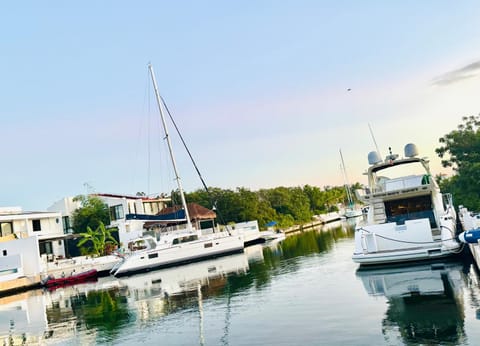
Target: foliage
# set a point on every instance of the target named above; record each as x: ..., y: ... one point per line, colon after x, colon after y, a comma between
x: 285, y: 205
x: 460, y: 149
x: 91, y: 214
x: 98, y: 241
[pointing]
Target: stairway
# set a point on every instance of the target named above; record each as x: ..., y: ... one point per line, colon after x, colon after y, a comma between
x: 379, y: 215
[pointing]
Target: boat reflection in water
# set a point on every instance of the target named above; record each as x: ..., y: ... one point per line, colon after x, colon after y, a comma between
x: 425, y: 303
x: 68, y: 313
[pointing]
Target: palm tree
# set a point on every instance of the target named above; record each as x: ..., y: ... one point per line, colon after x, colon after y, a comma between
x: 100, y: 239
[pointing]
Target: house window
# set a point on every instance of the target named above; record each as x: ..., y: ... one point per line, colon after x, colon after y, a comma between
x: 45, y: 248
x: 36, y: 225
x: 66, y: 224
x: 116, y: 212
x: 5, y: 229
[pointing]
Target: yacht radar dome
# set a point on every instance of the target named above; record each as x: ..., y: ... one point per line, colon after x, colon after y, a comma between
x: 411, y: 150
x: 374, y: 158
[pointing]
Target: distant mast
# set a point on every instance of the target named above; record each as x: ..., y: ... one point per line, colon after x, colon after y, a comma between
x: 347, y: 186
x: 167, y: 137
x: 374, y: 141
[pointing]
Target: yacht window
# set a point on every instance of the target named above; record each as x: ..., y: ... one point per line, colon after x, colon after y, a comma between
x: 137, y: 245
x: 206, y: 245
x: 151, y: 243
x: 153, y: 255
x: 184, y: 239
x: 414, y: 208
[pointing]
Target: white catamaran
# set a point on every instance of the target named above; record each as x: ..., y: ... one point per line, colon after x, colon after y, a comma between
x: 188, y: 245
x: 408, y: 217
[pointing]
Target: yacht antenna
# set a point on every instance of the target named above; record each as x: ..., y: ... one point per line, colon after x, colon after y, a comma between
x: 374, y: 141
x: 172, y: 157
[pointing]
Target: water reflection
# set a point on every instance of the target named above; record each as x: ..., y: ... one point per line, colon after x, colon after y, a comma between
x: 100, y: 312
x: 425, y: 302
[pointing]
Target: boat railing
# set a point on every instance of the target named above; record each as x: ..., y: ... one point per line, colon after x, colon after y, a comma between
x: 447, y: 201
x: 384, y: 185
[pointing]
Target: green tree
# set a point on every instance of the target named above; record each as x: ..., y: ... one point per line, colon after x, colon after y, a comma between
x: 460, y: 150
x: 317, y: 199
x: 97, y: 241
x: 91, y: 213
x: 289, y: 201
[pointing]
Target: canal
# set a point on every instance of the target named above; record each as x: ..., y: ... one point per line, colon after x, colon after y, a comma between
x: 302, y: 291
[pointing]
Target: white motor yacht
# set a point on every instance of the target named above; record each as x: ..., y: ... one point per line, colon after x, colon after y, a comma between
x: 408, y: 218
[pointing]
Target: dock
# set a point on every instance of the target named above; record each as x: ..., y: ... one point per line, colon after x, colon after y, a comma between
x: 20, y: 285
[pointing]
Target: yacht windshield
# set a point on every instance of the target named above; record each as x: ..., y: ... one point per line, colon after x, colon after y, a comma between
x: 401, y: 170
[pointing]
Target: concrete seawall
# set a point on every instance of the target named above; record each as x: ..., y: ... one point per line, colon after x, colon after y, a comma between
x: 19, y: 285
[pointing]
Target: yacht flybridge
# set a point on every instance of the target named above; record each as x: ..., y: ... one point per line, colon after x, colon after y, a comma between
x: 408, y: 218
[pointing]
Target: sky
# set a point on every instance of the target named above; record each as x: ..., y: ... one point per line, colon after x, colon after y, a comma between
x: 265, y: 93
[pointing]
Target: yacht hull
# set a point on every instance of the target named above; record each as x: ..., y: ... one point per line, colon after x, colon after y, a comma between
x: 402, y: 256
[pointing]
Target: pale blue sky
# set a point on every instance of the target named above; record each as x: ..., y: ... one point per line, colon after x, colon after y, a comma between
x: 259, y: 90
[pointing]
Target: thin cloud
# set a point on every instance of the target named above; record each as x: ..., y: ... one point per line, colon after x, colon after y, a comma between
x: 467, y: 72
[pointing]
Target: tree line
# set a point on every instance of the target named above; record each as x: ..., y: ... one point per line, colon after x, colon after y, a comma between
x: 460, y: 150
x: 285, y: 205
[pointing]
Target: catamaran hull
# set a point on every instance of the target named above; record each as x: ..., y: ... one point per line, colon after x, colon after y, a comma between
x: 178, y: 255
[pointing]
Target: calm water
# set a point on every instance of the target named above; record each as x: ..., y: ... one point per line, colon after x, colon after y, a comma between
x: 303, y: 291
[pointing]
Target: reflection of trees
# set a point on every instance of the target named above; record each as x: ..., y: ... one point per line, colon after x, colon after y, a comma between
x: 290, y: 250
x: 105, y: 311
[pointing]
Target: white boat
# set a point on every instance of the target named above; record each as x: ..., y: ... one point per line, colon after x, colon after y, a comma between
x: 248, y: 230
x: 182, y: 247
x: 408, y: 218
x: 148, y: 254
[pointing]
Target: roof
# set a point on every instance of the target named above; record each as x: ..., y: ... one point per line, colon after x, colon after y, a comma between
x: 145, y: 198
x: 196, y: 211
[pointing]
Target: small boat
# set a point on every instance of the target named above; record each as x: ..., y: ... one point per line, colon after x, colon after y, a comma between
x: 408, y: 218
x: 73, y: 279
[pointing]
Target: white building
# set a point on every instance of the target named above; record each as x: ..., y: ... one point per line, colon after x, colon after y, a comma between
x: 46, y: 226
x: 27, y: 239
x: 119, y: 206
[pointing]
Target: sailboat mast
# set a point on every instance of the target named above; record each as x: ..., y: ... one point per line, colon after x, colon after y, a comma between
x: 172, y: 157
x: 347, y: 187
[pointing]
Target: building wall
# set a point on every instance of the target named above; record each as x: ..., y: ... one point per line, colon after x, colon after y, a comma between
x: 44, y: 226
x: 27, y: 250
